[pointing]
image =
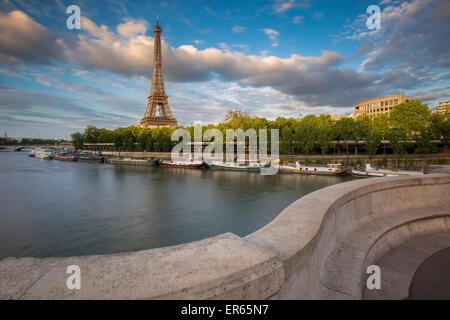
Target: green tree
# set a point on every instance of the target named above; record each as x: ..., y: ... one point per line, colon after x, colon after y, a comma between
x: 325, y: 129
x: 91, y: 134
x: 149, y: 142
x: 286, y: 140
x: 142, y: 141
x: 413, y: 120
x: 346, y: 130
x: 77, y: 140
x: 105, y: 136
x: 397, y: 137
x: 237, y: 119
x: 440, y: 128
x: 411, y: 116
x: 305, y: 133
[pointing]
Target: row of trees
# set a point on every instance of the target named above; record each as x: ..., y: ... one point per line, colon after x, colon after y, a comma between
x: 410, y: 125
x: 28, y: 141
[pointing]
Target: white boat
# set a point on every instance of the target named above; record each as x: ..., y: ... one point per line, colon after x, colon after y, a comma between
x: 373, y: 172
x: 182, y: 164
x: 251, y: 166
x: 331, y: 169
x: 44, y: 154
x: 362, y: 173
x: 400, y: 172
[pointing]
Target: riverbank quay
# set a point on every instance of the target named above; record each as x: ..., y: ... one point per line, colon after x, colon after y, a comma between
x: 409, y: 161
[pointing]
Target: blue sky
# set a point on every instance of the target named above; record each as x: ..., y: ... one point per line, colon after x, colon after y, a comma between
x: 271, y: 58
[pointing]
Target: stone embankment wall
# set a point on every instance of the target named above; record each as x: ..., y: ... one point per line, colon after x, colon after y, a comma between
x: 317, y: 248
x: 417, y: 162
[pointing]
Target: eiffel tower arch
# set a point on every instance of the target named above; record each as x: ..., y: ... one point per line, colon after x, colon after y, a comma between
x: 158, y: 113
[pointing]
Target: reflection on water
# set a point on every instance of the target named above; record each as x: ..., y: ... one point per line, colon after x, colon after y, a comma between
x: 55, y: 208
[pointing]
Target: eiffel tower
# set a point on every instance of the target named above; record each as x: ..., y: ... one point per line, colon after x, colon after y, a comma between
x: 158, y: 113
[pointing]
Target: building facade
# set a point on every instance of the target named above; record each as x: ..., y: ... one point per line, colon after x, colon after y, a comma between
x: 382, y: 105
x: 444, y: 108
x: 335, y: 117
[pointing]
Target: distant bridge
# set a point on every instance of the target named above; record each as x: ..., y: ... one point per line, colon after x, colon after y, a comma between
x: 35, y: 146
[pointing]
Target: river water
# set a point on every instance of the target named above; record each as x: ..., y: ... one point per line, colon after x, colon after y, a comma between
x: 56, y: 208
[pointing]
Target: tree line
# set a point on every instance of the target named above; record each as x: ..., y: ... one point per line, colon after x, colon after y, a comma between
x: 410, y: 127
x: 29, y: 141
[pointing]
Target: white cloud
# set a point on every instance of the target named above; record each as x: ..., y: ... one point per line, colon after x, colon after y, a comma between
x: 312, y: 80
x: 317, y: 16
x: 131, y: 28
x: 281, y: 6
x: 24, y: 40
x: 273, y: 35
x: 186, y: 21
x: 297, y: 19
x: 412, y: 35
x: 284, y: 6
x: 238, y: 29
x: 101, y: 32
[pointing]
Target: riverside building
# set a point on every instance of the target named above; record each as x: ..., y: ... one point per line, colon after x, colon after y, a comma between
x: 382, y: 105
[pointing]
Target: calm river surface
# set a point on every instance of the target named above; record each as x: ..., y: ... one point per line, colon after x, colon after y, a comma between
x: 56, y: 208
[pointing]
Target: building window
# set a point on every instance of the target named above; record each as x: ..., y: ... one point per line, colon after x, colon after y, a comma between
x: 381, y: 103
x: 386, y: 103
x: 391, y: 102
x: 390, y: 108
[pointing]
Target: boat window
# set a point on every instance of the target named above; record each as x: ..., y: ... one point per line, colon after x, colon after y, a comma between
x: 315, y: 169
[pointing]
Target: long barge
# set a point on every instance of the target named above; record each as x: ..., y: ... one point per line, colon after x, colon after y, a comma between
x: 235, y: 166
x: 129, y: 161
x: 182, y: 164
x: 329, y: 170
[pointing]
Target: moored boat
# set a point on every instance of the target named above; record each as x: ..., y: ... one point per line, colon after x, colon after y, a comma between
x: 65, y: 157
x: 332, y: 169
x: 373, y: 172
x: 138, y: 162
x: 44, y: 154
x: 362, y: 173
x: 237, y: 166
x: 182, y: 164
x: 88, y: 157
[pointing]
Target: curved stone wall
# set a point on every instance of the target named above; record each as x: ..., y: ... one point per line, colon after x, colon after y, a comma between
x: 317, y: 248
